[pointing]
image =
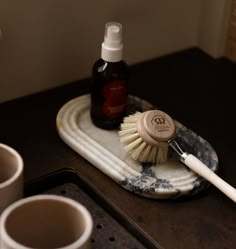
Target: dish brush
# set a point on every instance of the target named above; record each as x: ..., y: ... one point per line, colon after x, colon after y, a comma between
x: 147, y: 136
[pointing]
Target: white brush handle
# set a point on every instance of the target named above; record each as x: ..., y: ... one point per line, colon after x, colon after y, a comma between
x: 201, y: 169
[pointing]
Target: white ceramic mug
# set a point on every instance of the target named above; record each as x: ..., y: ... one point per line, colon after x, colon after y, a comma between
x: 45, y: 221
x: 11, y: 176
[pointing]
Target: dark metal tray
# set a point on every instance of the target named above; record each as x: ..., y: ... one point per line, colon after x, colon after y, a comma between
x: 111, y: 228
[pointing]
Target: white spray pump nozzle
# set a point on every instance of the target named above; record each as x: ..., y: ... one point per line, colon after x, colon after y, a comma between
x: 113, y: 35
x: 112, y: 46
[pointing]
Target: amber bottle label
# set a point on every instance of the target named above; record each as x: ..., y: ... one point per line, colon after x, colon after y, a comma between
x: 115, y: 98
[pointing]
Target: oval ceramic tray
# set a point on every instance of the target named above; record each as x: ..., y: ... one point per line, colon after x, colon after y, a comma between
x: 103, y: 149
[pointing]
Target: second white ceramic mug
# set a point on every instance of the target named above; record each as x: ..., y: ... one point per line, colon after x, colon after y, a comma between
x: 45, y: 221
x: 11, y: 176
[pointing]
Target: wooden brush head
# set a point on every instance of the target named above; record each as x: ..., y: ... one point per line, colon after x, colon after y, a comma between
x: 156, y: 127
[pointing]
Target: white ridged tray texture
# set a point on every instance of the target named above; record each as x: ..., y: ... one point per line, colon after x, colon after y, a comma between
x: 103, y: 149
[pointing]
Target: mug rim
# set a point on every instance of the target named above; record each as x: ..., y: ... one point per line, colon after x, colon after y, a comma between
x: 51, y: 197
x: 20, y: 165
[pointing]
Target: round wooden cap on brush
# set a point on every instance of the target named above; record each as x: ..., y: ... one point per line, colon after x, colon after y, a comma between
x: 159, y: 125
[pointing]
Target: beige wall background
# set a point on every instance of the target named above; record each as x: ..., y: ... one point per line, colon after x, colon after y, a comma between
x: 49, y: 43
x: 213, y: 26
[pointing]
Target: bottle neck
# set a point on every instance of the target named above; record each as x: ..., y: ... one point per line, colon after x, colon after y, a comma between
x: 110, y: 54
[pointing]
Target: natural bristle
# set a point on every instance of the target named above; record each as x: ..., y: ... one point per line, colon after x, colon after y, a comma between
x: 138, y: 149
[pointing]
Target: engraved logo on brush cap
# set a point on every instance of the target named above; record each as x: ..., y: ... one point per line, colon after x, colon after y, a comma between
x: 160, y: 123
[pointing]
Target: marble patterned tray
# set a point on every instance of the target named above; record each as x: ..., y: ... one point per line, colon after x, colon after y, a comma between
x: 103, y: 149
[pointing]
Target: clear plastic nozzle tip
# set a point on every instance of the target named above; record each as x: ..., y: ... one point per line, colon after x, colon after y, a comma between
x: 112, y: 46
x: 113, y: 35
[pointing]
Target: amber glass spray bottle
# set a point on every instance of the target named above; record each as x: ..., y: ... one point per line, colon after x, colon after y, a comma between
x: 109, y: 86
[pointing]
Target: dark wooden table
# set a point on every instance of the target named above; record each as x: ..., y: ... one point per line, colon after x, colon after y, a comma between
x: 194, y: 89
